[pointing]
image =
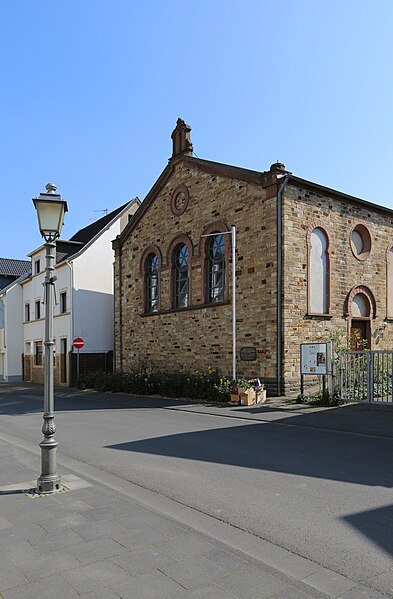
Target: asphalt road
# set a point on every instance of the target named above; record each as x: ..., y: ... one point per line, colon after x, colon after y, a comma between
x: 323, y: 494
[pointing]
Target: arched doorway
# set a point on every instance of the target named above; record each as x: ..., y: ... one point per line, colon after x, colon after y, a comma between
x: 361, y: 311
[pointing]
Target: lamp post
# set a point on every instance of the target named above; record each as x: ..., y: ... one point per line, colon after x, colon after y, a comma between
x: 50, y: 211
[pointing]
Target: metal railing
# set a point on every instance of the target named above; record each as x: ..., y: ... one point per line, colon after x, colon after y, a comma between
x: 366, y: 376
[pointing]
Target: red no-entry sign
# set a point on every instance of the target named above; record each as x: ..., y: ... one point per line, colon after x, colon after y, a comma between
x: 78, y: 343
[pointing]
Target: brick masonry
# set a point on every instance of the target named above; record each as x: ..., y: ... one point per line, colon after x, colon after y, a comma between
x: 200, y: 336
x: 301, y: 207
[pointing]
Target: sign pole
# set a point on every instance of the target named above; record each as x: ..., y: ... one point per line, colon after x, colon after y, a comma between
x: 78, y: 343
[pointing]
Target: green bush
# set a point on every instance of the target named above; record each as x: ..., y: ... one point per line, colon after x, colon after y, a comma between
x: 202, y: 386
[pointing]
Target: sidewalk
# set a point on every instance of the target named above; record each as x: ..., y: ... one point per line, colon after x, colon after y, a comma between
x: 105, y: 538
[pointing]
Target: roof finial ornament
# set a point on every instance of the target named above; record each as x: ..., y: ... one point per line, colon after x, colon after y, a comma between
x: 50, y: 188
x: 181, y: 139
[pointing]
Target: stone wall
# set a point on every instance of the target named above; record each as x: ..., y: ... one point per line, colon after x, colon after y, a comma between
x: 200, y: 336
x: 303, y: 207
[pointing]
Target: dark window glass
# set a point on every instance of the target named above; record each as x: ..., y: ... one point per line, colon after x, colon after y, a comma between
x: 151, y: 277
x: 180, y: 276
x: 215, y: 268
x: 38, y: 353
x: 38, y: 309
x: 37, y: 267
x: 27, y: 312
x: 63, y: 302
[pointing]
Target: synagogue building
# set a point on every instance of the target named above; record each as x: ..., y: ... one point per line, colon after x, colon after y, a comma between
x: 309, y: 262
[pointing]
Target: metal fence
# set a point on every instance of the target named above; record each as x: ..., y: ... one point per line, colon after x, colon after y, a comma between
x: 366, y: 376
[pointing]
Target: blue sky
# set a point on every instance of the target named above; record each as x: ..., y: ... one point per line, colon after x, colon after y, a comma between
x: 91, y: 91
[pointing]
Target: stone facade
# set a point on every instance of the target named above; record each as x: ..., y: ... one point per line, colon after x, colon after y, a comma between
x: 264, y: 207
x: 306, y: 205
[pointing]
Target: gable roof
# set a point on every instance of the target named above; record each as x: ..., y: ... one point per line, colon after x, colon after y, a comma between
x: 87, y: 233
x: 17, y: 281
x: 263, y: 178
x: 68, y: 249
x: 13, y: 268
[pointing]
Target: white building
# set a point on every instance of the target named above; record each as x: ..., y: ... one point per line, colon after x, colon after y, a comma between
x: 83, y: 305
x: 11, y: 332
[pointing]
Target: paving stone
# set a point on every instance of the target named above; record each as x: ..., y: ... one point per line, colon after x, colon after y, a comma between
x: 54, y: 586
x: 68, y: 506
x: 147, y: 586
x: 140, y: 537
x: 193, y: 571
x: 142, y: 560
x: 107, y: 512
x: 104, y: 497
x: 94, y: 577
x: 329, y: 582
x: 292, y: 593
x: 205, y: 592
x: 170, y: 528
x: 4, y: 523
x: 97, y: 530
x: 28, y: 532
x: 186, y: 546
x: 53, y: 542
x: 102, y: 593
x: 65, y: 521
x: 361, y: 592
x: 226, y: 560
x: 251, y: 582
x: 97, y: 550
x: 55, y: 562
x: 297, y: 567
x: 11, y: 576
x: 20, y: 551
x: 260, y: 549
x: 139, y: 518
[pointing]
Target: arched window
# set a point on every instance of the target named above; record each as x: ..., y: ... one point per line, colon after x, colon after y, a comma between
x: 318, y: 271
x: 361, y: 312
x: 151, y: 283
x: 216, y: 280
x: 180, y: 284
x: 214, y: 250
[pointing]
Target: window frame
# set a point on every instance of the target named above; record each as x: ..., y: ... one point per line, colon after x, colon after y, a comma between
x: 27, y: 312
x: 37, y: 309
x: 218, y: 228
x: 174, y: 245
x: 365, y: 235
x: 37, y: 266
x: 63, y: 302
x: 151, y: 250
x: 38, y: 355
x: 319, y: 225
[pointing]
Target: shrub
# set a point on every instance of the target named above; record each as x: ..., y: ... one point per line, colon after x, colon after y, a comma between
x: 202, y: 386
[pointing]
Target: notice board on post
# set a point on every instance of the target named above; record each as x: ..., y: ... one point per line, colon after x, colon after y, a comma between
x: 314, y: 358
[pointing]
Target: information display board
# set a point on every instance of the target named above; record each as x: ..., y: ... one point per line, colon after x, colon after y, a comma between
x: 314, y: 358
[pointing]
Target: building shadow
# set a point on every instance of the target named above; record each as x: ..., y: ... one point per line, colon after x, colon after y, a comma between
x: 376, y: 525
x: 266, y: 446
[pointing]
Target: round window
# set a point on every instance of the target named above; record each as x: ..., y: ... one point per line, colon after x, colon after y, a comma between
x: 360, y: 242
x: 179, y: 200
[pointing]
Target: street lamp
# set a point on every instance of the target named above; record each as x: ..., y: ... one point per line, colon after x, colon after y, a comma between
x: 50, y: 211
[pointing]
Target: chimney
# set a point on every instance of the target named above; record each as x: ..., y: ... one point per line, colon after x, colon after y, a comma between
x: 278, y: 168
x: 181, y: 139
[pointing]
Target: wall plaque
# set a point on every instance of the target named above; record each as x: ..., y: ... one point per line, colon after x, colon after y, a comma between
x: 248, y: 353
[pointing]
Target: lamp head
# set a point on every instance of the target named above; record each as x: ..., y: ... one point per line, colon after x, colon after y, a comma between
x: 50, y: 212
